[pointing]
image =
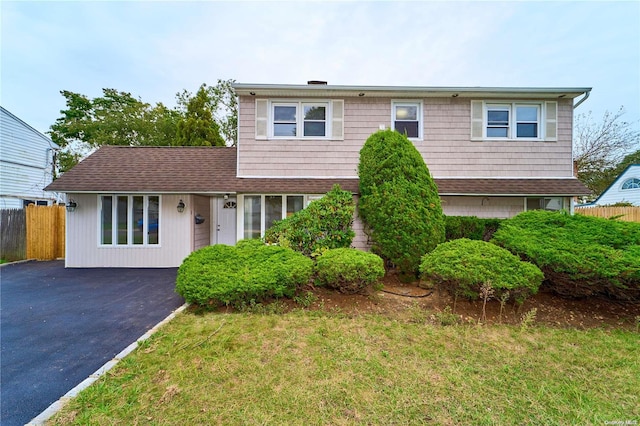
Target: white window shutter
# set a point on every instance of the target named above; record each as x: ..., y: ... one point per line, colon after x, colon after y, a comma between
x: 476, y: 120
x: 551, y: 121
x: 262, y: 110
x: 337, y: 119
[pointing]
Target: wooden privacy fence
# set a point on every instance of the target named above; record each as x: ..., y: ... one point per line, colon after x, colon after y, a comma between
x: 45, y: 232
x: 13, y: 234
x: 628, y: 214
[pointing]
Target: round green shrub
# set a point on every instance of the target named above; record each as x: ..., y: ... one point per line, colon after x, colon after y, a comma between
x: 580, y: 255
x: 399, y: 202
x: 462, y: 266
x: 348, y: 270
x: 250, y: 271
x: 324, y: 224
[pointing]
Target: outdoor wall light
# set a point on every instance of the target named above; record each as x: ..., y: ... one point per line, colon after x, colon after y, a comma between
x: 180, y: 206
x: 72, y: 205
x: 226, y: 196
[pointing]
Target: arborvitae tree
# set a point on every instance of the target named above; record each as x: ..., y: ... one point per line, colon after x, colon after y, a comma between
x: 197, y: 127
x: 399, y: 202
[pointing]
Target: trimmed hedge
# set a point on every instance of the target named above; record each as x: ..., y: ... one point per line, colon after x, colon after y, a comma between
x: 399, y: 202
x: 348, y: 270
x: 324, y: 224
x: 470, y: 227
x: 461, y: 266
x: 250, y: 271
x: 579, y: 255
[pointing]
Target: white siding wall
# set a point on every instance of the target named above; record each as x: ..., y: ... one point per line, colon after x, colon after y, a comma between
x: 361, y: 240
x: 615, y: 194
x: 483, y: 207
x: 447, y: 147
x: 26, y: 159
x: 84, y: 251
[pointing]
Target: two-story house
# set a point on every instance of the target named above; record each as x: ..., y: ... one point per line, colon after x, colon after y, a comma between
x: 26, y: 163
x: 494, y: 152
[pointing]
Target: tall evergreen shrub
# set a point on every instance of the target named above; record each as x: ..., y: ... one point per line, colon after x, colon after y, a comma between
x: 399, y: 202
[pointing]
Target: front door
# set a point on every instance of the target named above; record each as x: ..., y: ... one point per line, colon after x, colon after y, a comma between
x: 226, y: 221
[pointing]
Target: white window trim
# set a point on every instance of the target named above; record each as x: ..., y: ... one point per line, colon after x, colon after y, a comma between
x: 409, y: 102
x: 300, y: 104
x: 512, y: 125
x: 114, y: 228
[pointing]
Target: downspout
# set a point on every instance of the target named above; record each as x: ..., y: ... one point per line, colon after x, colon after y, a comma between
x: 586, y: 95
x: 571, y: 200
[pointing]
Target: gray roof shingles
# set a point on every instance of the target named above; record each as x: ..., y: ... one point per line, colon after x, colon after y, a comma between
x: 213, y: 170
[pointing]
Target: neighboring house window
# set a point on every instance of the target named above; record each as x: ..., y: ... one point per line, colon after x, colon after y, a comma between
x: 633, y: 183
x: 530, y: 121
x: 300, y: 119
x: 262, y: 211
x: 407, y: 118
x: 129, y: 220
x: 25, y: 203
x: 545, y: 203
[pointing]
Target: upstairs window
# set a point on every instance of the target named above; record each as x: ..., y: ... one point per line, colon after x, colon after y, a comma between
x: 633, y: 183
x: 315, y: 120
x: 407, y: 119
x: 300, y: 119
x: 285, y: 121
x: 512, y: 121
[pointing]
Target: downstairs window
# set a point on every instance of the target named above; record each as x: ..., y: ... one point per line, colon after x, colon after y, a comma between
x: 129, y: 220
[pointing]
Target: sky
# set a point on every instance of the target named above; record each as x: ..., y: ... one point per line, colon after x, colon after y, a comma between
x: 154, y: 49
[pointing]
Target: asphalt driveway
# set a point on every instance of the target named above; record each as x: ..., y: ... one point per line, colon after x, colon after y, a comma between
x: 58, y: 326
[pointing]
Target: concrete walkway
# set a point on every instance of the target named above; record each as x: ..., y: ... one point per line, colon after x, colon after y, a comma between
x: 58, y: 326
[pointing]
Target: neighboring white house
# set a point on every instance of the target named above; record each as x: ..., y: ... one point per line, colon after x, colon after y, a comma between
x: 493, y: 152
x: 625, y: 189
x: 26, y: 163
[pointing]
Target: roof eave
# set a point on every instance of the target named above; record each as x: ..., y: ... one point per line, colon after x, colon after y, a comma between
x: 317, y: 90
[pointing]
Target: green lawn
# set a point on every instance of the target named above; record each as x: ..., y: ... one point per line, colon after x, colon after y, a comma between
x: 319, y: 368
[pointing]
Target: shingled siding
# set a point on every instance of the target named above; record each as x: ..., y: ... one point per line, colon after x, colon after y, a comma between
x: 447, y: 148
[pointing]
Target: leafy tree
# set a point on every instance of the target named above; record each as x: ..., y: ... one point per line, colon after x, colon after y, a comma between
x: 399, y: 201
x: 600, y: 147
x: 118, y: 118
